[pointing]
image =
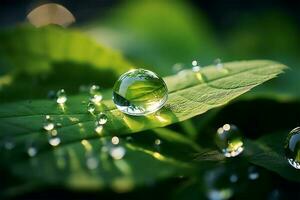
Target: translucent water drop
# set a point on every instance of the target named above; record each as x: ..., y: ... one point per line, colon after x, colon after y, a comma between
x: 51, y: 94
x: 101, y: 119
x: 117, y: 153
x: 92, y: 162
x: 98, y: 128
x: 61, y: 96
x: 32, y: 151
x: 253, y: 173
x: 292, y: 148
x: 129, y: 139
x: 54, y: 141
x: 233, y: 178
x: 229, y: 140
x: 48, y: 124
x: 196, y: 67
x: 95, y: 93
x: 140, y: 92
x: 218, y: 63
x: 157, y: 142
x: 9, y: 143
x: 177, y: 67
x: 115, y: 140
x: 91, y: 107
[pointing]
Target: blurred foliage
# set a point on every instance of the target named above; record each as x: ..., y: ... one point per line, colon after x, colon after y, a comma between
x: 153, y: 35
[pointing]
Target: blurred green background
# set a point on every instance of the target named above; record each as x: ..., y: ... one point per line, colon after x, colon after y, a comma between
x: 158, y: 34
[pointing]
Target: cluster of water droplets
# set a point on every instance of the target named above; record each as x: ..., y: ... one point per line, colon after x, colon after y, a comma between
x: 101, y: 120
x: 50, y: 128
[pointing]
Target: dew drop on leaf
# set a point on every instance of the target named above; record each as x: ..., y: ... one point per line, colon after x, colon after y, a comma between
x: 54, y: 141
x: 101, y: 119
x: 95, y: 93
x: 115, y: 140
x: 61, y: 96
x: 32, y: 151
x: 117, y: 153
x: 229, y: 140
x: 48, y: 124
x: 91, y: 107
x: 292, y: 148
x: 253, y: 173
x: 140, y: 92
x: 196, y: 67
x: 218, y: 63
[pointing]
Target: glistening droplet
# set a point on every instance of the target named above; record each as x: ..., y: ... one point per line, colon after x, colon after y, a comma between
x: 61, y: 96
x: 101, y: 119
x: 218, y: 63
x: 48, y: 124
x: 95, y: 93
x: 292, y: 148
x: 196, y: 67
x: 91, y: 107
x: 140, y: 92
x: 117, y: 153
x: 54, y: 141
x: 229, y: 140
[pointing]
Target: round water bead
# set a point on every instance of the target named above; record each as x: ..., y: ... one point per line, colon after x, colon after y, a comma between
x: 61, y: 96
x: 292, y: 148
x: 139, y: 92
x: 229, y: 140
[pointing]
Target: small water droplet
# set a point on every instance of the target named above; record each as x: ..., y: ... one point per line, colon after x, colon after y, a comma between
x: 196, y: 67
x: 54, y: 141
x: 233, y: 178
x: 129, y: 139
x: 95, y: 93
x: 115, y: 140
x: 157, y: 142
x: 58, y: 124
x: 32, y: 151
x: 101, y: 118
x: 61, y: 96
x: 221, y: 194
x: 51, y: 94
x: 177, y: 67
x: 117, y: 153
x: 253, y: 174
x: 48, y: 124
x: 218, y: 63
x: 91, y: 107
x: 98, y: 128
x: 140, y: 92
x: 292, y: 148
x: 229, y: 140
x: 92, y: 162
x: 9, y: 143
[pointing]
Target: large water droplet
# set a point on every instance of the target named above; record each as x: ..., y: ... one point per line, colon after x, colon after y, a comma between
x: 292, y: 148
x: 229, y: 140
x: 139, y: 92
x: 95, y: 93
x: 117, y: 153
x: 61, y: 96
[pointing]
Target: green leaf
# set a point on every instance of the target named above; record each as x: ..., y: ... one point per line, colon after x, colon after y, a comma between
x: 190, y: 94
x: 268, y: 152
x: 41, y: 59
